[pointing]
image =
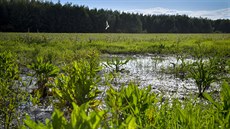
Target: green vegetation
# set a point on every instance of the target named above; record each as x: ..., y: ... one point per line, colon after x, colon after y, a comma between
x: 63, y: 48
x: 116, y: 64
x: 132, y: 104
x: 77, y: 84
x: 44, y: 72
x: 11, y: 95
x: 67, y: 68
x: 80, y: 119
x: 132, y: 107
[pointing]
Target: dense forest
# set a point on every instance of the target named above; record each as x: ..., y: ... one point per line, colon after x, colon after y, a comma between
x: 46, y: 16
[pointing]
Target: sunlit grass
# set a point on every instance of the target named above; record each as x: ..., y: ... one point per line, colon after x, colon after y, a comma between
x: 65, y: 46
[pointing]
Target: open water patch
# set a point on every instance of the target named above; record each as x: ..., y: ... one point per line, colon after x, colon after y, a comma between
x: 145, y: 70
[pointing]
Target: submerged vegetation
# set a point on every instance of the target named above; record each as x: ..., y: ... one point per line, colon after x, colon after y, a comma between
x: 66, y: 72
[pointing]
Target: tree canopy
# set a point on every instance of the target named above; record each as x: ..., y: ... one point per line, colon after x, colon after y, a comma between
x: 46, y: 16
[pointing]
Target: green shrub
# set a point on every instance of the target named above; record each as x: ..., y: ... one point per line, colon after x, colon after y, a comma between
x: 44, y: 72
x: 11, y: 94
x: 77, y: 84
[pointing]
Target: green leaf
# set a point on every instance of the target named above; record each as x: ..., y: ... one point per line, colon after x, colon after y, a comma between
x: 33, y: 125
x: 134, y: 99
x: 58, y: 120
x: 74, y: 115
x: 209, y: 98
x: 131, y: 121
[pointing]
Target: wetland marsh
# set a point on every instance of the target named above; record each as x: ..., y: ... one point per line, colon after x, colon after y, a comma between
x: 127, y: 74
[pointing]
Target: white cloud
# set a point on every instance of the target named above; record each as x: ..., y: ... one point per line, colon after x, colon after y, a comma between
x: 210, y: 14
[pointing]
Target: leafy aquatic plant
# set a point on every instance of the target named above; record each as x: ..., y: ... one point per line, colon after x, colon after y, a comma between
x: 130, y: 101
x: 204, y: 72
x: 116, y: 64
x: 77, y: 84
x: 44, y: 72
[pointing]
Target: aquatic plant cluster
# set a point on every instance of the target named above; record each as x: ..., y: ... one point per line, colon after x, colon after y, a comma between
x: 67, y: 73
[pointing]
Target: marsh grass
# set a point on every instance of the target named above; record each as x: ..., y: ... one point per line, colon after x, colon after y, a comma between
x: 64, y: 47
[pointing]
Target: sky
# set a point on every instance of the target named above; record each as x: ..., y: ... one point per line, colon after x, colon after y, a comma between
x: 211, y: 9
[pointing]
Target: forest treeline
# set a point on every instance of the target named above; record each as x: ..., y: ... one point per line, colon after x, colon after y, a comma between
x: 46, y: 16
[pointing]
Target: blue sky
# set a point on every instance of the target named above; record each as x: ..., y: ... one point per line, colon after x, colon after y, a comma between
x: 212, y: 9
